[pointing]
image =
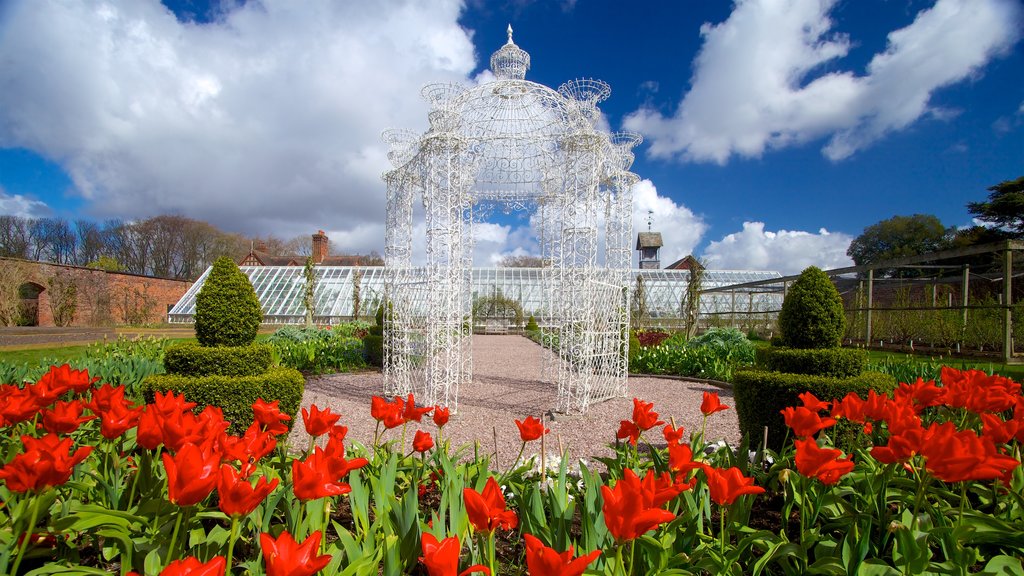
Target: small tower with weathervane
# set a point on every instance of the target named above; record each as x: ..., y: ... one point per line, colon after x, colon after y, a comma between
x: 648, y: 244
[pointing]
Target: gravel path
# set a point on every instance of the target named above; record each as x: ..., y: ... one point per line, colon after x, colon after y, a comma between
x: 507, y: 386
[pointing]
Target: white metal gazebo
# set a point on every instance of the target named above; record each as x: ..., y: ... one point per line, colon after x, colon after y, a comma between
x: 515, y: 145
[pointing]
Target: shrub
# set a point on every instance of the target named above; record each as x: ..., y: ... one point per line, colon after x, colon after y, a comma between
x: 531, y: 324
x: 227, y: 309
x: 191, y: 359
x: 373, y: 342
x: 651, y: 337
x: 812, y: 313
x: 727, y: 343
x: 834, y: 362
x: 233, y: 394
x: 761, y: 396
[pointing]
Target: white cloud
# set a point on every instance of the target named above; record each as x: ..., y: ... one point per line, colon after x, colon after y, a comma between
x: 267, y: 119
x: 784, y: 251
x: 681, y: 230
x: 760, y: 83
x: 18, y: 205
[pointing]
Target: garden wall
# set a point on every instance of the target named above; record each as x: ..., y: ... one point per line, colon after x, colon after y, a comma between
x: 57, y: 295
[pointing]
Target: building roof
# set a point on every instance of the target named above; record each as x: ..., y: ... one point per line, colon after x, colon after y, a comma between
x: 686, y: 263
x: 266, y: 259
x: 648, y: 240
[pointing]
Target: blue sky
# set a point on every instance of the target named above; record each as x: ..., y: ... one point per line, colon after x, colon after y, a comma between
x: 775, y: 131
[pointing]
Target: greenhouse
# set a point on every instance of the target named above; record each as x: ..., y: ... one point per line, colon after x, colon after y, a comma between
x: 338, y: 289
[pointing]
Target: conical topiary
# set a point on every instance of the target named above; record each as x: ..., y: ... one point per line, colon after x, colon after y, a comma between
x: 812, y: 313
x: 227, y: 310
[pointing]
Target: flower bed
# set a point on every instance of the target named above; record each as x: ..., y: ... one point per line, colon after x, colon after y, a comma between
x: 93, y: 484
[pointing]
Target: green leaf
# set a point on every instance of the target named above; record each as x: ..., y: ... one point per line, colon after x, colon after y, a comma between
x: 1003, y: 565
x: 876, y: 567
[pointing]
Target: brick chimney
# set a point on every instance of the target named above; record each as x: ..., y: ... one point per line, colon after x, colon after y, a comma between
x: 319, y: 247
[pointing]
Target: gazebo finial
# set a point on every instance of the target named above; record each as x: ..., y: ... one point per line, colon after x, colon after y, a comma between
x: 510, y: 34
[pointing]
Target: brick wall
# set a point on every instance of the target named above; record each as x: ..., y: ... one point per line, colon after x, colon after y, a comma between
x: 103, y: 298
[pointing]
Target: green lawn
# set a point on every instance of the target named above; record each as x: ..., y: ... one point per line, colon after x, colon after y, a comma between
x: 1015, y: 371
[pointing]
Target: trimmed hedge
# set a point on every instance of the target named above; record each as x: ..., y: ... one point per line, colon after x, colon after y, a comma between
x: 191, y: 359
x: 235, y: 395
x: 227, y: 310
x: 812, y: 313
x: 761, y: 396
x: 834, y: 362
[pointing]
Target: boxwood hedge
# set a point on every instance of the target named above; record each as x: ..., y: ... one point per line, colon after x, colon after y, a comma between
x: 834, y: 362
x: 191, y: 359
x: 761, y: 396
x: 235, y: 395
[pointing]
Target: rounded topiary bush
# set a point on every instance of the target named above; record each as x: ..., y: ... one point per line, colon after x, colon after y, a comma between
x: 227, y: 310
x: 812, y: 313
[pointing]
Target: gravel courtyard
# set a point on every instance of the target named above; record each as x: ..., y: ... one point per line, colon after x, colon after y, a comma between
x: 507, y: 386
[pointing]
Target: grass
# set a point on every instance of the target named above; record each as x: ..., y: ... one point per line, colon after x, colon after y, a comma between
x: 1014, y: 371
x: 38, y: 354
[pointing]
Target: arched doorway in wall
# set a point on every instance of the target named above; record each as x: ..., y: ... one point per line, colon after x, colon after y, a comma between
x: 29, y: 293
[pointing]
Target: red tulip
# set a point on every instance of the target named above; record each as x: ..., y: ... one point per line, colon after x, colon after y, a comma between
x: 922, y: 394
x: 711, y: 404
x: 487, y: 510
x: 191, y: 474
x: 544, y: 561
x: 441, y: 415
x: 118, y: 419
x: 977, y: 391
x: 46, y: 462
x: 64, y: 417
x: 248, y: 449
x: 320, y: 474
x: 286, y: 557
x: 422, y: 442
x: 629, y: 508
x: 805, y: 422
x: 997, y: 430
x: 680, y: 459
x: 442, y: 558
x: 725, y: 486
x: 644, y: 416
x: 903, y: 444
x: 392, y: 414
x: 627, y: 429
x: 269, y: 415
x: 672, y: 435
x: 412, y: 413
x: 237, y: 496
x: 531, y: 429
x: 149, y: 432
x: 191, y: 566
x: 317, y: 421
x: 959, y: 456
x: 18, y: 404
x: 169, y: 403
x: 824, y: 464
x: 64, y: 378
x: 812, y: 403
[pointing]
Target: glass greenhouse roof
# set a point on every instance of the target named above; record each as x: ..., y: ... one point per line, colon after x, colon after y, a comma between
x: 280, y: 291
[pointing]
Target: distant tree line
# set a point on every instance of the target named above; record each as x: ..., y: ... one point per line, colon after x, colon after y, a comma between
x: 167, y: 246
x: 1002, y: 215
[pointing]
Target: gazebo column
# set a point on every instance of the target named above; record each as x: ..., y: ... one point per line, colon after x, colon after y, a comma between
x: 445, y: 202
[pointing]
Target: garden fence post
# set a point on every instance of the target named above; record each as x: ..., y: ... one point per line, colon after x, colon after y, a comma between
x: 1007, y: 305
x: 871, y: 288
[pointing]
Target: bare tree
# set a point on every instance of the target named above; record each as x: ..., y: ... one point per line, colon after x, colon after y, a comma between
x: 522, y: 261
x: 91, y: 244
x: 14, y: 236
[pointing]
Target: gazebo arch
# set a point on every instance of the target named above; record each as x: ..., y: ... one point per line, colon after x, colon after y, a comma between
x: 510, y: 144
